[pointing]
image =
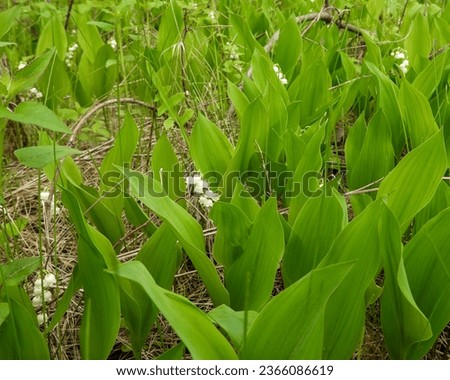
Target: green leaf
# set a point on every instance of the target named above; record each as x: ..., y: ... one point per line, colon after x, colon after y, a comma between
x: 305, y: 181
x: 402, y: 321
x: 416, y: 111
x: 319, y: 222
x: 36, y: 114
x: 14, y: 272
x: 64, y: 302
x: 28, y: 76
x: 412, y: 183
x: 4, y: 312
x: 20, y: 336
x: 289, y: 46
x: 175, y: 353
x: 210, y: 149
x: 291, y: 326
x: 108, y: 222
x: 53, y: 35
x: 195, y: 329
x: 160, y: 255
x: 376, y: 157
x: 101, y: 317
x: 238, y: 98
x: 40, y: 156
x: 184, y: 226
x: 427, y: 266
x: 418, y: 42
x: 345, y: 313
x: 166, y: 168
x: 388, y: 101
x: 235, y: 323
x: 250, y: 289
x: 8, y: 19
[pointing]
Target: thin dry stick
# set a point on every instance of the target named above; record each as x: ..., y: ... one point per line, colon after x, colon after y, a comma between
x: 96, y: 107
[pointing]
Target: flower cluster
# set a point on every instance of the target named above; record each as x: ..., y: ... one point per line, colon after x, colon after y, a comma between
x: 200, y: 186
x: 232, y: 50
x: 280, y: 75
x: 34, y: 93
x: 400, y: 56
x: 70, y: 54
x: 113, y: 43
x: 42, y: 294
x: 21, y: 65
x: 44, y: 196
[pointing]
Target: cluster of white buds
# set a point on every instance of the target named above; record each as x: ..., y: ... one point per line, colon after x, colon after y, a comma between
x: 212, y: 15
x: 21, y: 65
x: 45, y: 195
x: 280, y: 75
x: 42, y: 294
x: 206, y: 197
x: 70, y: 54
x: 233, y: 51
x: 400, y: 56
x: 34, y: 93
x: 113, y: 43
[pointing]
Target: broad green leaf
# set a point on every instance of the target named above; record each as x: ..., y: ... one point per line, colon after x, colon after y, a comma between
x: 417, y: 114
x: 235, y: 323
x: 88, y: 36
x: 291, y: 326
x: 36, y: 114
x: 412, y: 183
x: 402, y: 321
x: 319, y: 222
x: 20, y: 336
x: 305, y: 180
x: 388, y: 102
x: 8, y: 19
x: 233, y: 224
x: 139, y: 314
x: 64, y: 301
x: 53, y: 35
x: 101, y: 317
x: 160, y: 256
x: 195, y: 329
x: 210, y: 149
x: 184, y: 226
x: 250, y: 289
x: 429, y: 78
x: 28, y: 76
x: 238, y: 98
x: 137, y: 217
x: 314, y: 95
x: 245, y: 36
x: 255, y: 115
x: 345, y: 312
x: 376, y: 157
x: 5, y: 43
x: 289, y: 46
x: 418, y: 42
x: 14, y: 272
x: 107, y: 221
x: 427, y: 266
x: 123, y: 149
x: 4, y: 312
x: 175, y: 353
x: 12, y: 230
x: 166, y: 168
x: 170, y: 27
x: 439, y: 202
